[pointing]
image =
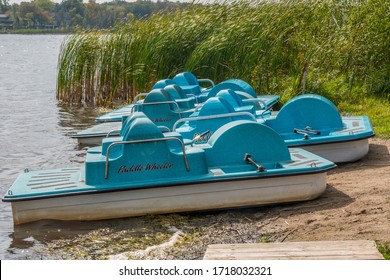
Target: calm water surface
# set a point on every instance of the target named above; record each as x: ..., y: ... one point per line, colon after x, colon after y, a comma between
x: 34, y: 131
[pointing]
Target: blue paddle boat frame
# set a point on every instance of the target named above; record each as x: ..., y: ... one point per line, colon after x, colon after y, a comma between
x: 146, y: 171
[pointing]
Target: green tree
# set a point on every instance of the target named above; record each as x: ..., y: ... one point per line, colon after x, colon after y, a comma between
x: 15, y: 16
x: 45, y: 5
x: 27, y: 11
x: 4, y: 6
x: 70, y: 13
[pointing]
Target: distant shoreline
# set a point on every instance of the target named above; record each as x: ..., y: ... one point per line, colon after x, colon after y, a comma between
x: 35, y: 31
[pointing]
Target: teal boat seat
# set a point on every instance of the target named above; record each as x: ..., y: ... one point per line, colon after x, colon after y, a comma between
x: 242, y: 90
x: 308, y: 113
x: 235, y: 85
x: 126, y: 124
x: 214, y: 106
x: 245, y: 87
x: 163, y: 83
x: 186, y: 78
x: 158, y: 107
x: 142, y: 128
x: 127, y: 120
x: 231, y: 97
x: 187, y: 82
x: 229, y: 144
x: 144, y: 154
x: 190, y: 84
x: 215, y: 113
x: 177, y: 94
x: 124, y: 134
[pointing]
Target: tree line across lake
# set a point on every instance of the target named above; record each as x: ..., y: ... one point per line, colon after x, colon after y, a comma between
x: 70, y: 14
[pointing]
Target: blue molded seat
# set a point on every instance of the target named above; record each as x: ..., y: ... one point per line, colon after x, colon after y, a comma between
x: 177, y: 94
x: 186, y: 79
x: 235, y: 85
x: 190, y: 84
x: 243, y: 85
x: 158, y: 107
x: 231, y: 142
x: 214, y: 113
x: 242, y: 90
x: 215, y: 106
x: 142, y: 128
x: 231, y: 97
x: 163, y: 83
x: 143, y: 154
x: 127, y: 120
x: 307, y: 111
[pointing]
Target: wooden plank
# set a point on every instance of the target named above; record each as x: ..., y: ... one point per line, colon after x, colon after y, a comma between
x: 316, y: 250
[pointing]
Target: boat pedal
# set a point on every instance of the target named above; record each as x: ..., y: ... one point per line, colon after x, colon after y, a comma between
x: 306, y: 132
x: 248, y: 159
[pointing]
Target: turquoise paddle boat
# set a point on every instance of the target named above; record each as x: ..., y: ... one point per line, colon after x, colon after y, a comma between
x: 162, y: 114
x: 158, y: 99
x: 166, y: 104
x: 307, y: 121
x: 159, y: 105
x: 191, y: 84
x: 145, y: 171
x: 186, y: 93
x: 314, y: 123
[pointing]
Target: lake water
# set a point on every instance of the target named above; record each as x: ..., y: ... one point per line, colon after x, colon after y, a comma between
x: 34, y: 131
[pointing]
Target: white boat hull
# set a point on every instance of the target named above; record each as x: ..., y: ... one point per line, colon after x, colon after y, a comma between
x: 95, y: 134
x: 91, y: 141
x: 340, y: 152
x: 170, y: 199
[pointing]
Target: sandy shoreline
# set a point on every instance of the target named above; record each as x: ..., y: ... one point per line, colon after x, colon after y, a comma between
x: 355, y: 205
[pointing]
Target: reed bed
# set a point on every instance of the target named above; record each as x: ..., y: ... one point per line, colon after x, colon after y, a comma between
x: 341, y: 47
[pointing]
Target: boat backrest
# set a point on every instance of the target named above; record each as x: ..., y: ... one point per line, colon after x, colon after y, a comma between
x: 142, y: 128
x: 236, y: 85
x: 223, y: 86
x: 159, y: 107
x: 188, y: 83
x: 144, y: 154
x: 127, y: 120
x: 175, y: 92
x: 185, y: 79
x: 230, y: 96
x: 163, y: 83
x: 307, y: 110
x: 232, y: 141
x: 156, y: 95
x: 214, y: 113
x: 178, y: 95
x: 244, y: 86
x: 132, y: 129
x: 215, y: 106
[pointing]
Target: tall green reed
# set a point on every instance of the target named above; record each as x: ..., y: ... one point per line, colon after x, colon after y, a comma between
x: 342, y: 47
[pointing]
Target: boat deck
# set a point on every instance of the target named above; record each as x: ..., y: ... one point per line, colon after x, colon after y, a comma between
x: 68, y: 181
x: 315, y: 250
